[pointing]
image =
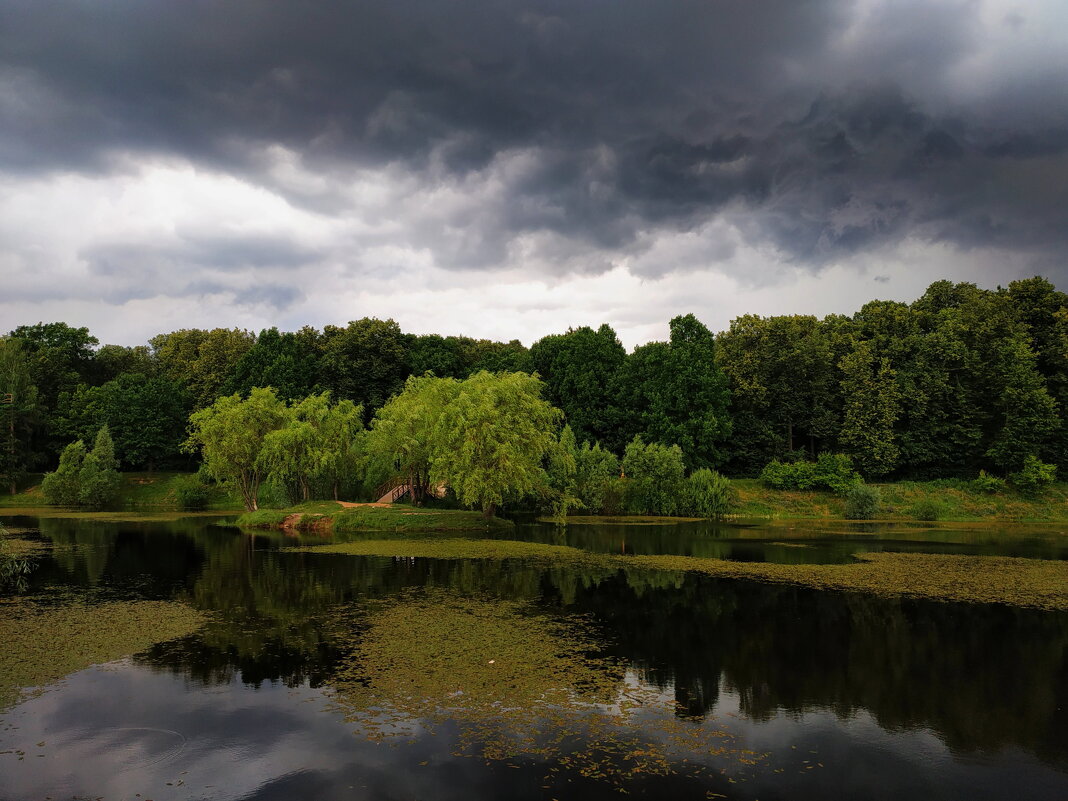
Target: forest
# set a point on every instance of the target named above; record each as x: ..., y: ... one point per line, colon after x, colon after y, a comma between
x: 962, y: 379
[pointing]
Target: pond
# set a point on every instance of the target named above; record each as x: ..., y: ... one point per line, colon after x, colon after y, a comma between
x: 185, y: 659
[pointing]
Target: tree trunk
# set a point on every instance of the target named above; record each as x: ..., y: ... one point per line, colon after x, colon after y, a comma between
x: 335, y: 489
x: 489, y: 510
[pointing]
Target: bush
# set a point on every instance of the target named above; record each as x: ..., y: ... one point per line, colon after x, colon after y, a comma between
x: 832, y: 471
x: 986, y: 483
x: 614, y: 497
x: 61, y: 487
x: 708, y: 494
x: 656, y: 478
x: 191, y: 494
x: 928, y: 509
x: 1034, y: 476
x: 862, y: 502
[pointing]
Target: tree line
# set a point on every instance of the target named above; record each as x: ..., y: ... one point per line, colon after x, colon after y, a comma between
x: 959, y: 380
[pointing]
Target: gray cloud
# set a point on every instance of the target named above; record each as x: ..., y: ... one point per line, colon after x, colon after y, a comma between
x: 816, y: 128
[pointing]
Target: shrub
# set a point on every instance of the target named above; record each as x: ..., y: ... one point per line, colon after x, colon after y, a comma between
x: 986, y: 483
x: 191, y: 494
x: 832, y: 471
x: 862, y: 502
x: 708, y: 494
x: 928, y: 509
x: 614, y: 497
x: 1034, y: 476
x: 61, y: 487
x: 835, y: 472
x: 99, y: 479
x: 656, y: 478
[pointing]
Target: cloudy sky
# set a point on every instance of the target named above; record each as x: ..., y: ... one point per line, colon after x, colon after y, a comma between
x: 508, y: 169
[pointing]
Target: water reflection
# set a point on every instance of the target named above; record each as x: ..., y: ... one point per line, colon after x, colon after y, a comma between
x: 871, y: 675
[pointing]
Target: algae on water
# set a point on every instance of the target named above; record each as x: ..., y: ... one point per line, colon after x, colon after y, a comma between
x: 518, y: 684
x: 42, y: 644
x: 1034, y: 583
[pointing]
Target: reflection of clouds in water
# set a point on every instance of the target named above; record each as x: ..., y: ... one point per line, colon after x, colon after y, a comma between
x: 238, y: 743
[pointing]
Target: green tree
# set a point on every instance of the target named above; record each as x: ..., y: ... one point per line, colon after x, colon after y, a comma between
x: 579, y: 369
x: 595, y: 470
x: 344, y: 443
x: 287, y: 362
x: 19, y: 412
x: 98, y: 478
x: 784, y: 392
x: 708, y: 494
x: 230, y: 435
x: 674, y: 393
x: 871, y: 407
x: 562, y: 474
x: 146, y: 415
x: 405, y: 433
x: 365, y: 362
x: 60, y: 488
x: 492, y: 437
x: 656, y: 478
x: 201, y: 360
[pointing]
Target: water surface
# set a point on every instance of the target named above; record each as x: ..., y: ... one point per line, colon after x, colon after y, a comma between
x: 748, y: 690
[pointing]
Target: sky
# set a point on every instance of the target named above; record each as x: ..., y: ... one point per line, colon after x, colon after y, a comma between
x: 511, y: 169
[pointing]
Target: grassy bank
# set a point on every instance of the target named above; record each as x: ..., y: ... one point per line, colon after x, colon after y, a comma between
x: 396, y: 517
x: 1033, y: 583
x: 952, y: 500
x: 157, y: 490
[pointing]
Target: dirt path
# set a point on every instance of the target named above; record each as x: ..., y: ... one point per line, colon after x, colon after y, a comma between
x: 351, y: 505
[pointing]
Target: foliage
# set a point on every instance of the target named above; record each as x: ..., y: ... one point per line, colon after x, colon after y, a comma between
x: 13, y: 567
x: 596, y: 470
x: 286, y: 362
x: 19, y: 412
x: 146, y: 415
x: 579, y: 369
x: 202, y: 361
x: 61, y: 488
x: 191, y: 494
x: 99, y: 479
x: 862, y: 502
x: 830, y: 471
x: 562, y: 475
x: 365, y: 362
x: 230, y: 435
x: 673, y: 393
x: 655, y: 473
x: 987, y: 483
x: 872, y: 406
x: 404, y: 434
x: 491, y: 439
x: 708, y: 494
x: 928, y: 509
x: 1034, y: 476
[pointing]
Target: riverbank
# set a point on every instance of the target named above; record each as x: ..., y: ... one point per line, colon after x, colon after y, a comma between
x: 947, y: 500
x: 334, y: 516
x: 142, y: 490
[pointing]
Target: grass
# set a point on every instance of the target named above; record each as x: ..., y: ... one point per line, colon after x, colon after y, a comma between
x: 138, y: 490
x: 1033, y: 583
x: 621, y: 520
x: 396, y: 518
x: 955, y: 501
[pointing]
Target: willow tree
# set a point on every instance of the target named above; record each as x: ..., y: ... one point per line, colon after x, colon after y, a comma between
x: 491, y: 439
x: 404, y: 435
x: 230, y: 434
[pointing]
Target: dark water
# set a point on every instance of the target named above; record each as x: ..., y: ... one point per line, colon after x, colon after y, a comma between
x: 844, y: 696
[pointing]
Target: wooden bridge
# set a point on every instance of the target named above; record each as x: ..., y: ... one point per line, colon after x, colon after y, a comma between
x: 396, y: 488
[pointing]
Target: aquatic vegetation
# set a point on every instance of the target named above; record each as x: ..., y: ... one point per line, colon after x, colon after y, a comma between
x: 395, y: 517
x: 43, y: 643
x: 517, y: 683
x: 1036, y: 583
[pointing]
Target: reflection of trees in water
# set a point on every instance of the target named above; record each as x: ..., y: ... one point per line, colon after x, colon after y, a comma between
x: 982, y: 677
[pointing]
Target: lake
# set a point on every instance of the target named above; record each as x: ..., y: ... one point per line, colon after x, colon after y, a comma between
x: 330, y: 676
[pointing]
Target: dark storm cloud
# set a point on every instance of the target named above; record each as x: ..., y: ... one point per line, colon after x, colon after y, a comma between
x: 819, y: 134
